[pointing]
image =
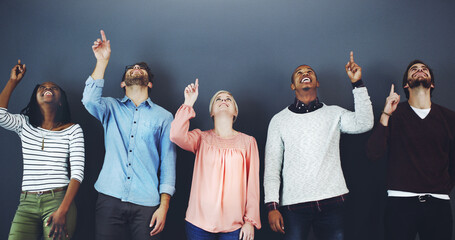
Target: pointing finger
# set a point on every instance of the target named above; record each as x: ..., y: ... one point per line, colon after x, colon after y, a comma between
x: 352, y: 56
x: 197, y: 82
x: 392, y: 90
x: 103, y: 35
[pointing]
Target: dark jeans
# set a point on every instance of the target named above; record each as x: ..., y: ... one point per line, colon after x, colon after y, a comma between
x: 195, y: 233
x: 117, y: 220
x: 430, y: 217
x: 325, y: 216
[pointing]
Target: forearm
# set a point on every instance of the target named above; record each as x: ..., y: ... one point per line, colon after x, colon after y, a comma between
x: 73, y: 187
x: 384, y: 120
x: 165, y: 199
x: 100, y: 68
x: 5, y: 95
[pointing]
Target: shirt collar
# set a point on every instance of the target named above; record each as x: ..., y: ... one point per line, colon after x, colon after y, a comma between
x: 300, y: 107
x: 126, y: 98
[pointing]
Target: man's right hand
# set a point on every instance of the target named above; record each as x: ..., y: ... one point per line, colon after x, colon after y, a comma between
x: 102, y: 48
x: 191, y: 93
x: 391, y: 104
x: 391, y: 101
x: 276, y: 221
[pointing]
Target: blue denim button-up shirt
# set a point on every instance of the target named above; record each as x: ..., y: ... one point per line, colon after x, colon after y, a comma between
x: 139, y: 163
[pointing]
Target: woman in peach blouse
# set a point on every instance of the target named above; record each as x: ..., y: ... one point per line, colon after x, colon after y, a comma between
x: 224, y: 198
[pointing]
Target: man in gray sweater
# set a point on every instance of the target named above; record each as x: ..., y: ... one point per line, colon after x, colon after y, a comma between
x: 303, y: 159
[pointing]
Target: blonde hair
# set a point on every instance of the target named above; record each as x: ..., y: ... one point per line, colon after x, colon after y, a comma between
x: 212, y: 101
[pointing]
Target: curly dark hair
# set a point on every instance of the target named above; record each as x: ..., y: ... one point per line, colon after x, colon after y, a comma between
x: 35, y: 117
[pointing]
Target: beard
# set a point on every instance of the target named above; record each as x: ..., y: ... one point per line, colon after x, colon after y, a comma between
x: 136, y: 80
x: 424, y: 82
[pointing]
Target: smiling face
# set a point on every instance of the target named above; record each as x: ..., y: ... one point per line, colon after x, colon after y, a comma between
x: 223, y: 103
x: 419, y: 75
x: 48, y: 93
x: 136, y: 75
x: 304, y: 78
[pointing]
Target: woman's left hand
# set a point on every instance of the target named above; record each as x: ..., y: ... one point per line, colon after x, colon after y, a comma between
x: 58, y: 221
x: 247, y: 231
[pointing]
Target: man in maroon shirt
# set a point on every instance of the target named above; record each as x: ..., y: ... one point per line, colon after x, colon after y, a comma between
x: 419, y: 136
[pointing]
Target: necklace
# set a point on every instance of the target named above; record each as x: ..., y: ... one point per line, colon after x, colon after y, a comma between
x: 44, y: 136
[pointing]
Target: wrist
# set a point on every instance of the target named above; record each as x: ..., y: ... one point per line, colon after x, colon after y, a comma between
x: 62, y: 210
x: 387, y: 113
x: 102, y: 62
x: 188, y: 103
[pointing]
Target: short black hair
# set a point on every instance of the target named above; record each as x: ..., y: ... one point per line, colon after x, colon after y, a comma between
x: 35, y: 117
x: 146, y: 67
x: 405, y: 76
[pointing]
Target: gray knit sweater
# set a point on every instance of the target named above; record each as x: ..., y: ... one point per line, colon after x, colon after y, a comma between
x: 302, y: 151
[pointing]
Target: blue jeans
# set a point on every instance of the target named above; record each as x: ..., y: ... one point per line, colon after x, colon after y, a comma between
x: 195, y: 233
x: 325, y: 216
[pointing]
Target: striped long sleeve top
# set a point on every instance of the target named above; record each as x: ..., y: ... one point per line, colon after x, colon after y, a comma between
x: 61, y: 159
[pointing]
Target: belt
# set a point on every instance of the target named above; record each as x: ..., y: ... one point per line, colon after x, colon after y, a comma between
x: 46, y: 192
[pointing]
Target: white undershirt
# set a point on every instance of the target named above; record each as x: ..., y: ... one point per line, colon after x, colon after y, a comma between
x: 422, y: 113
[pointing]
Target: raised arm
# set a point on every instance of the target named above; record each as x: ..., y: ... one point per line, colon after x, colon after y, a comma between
x: 362, y: 119
x: 102, y: 50
x: 188, y: 140
x: 17, y: 73
x: 94, y: 85
x: 378, y: 141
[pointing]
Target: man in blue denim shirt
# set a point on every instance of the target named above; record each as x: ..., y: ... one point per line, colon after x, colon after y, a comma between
x: 138, y: 175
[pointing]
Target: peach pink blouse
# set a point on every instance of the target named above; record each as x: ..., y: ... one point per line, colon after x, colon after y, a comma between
x: 225, y: 187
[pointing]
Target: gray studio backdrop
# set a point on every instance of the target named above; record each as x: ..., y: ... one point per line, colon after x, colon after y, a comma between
x: 248, y: 47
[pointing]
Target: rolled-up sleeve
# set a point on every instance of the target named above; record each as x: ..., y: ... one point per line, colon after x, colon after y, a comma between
x: 168, y: 159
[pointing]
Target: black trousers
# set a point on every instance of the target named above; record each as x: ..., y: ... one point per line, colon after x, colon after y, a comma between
x: 117, y: 220
x: 430, y: 217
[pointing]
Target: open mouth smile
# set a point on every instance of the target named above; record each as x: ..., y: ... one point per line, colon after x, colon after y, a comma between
x: 305, y: 80
x: 48, y: 93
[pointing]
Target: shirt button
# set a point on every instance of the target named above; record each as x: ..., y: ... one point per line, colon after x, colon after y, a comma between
x: 128, y: 177
x: 131, y: 150
x: 134, y: 122
x: 136, y: 109
x: 132, y: 136
x: 129, y: 164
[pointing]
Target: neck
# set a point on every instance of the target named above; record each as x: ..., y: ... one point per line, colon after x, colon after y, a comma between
x: 137, y: 94
x: 223, y: 126
x: 420, y: 97
x: 306, y: 96
x: 49, y: 113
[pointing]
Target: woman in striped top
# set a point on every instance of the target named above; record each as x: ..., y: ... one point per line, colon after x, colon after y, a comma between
x: 53, y: 156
